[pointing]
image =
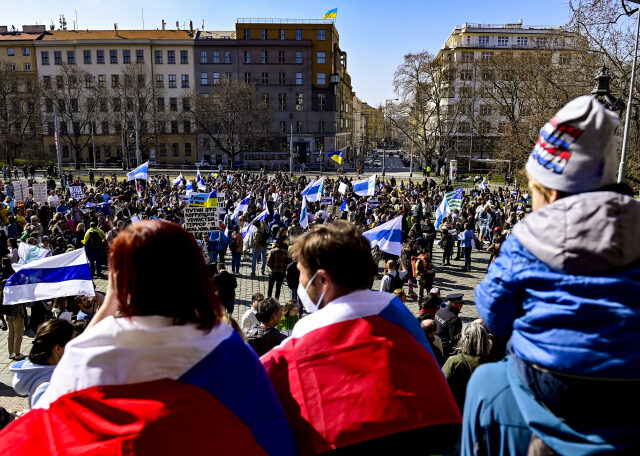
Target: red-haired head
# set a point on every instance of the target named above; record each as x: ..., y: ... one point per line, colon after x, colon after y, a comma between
x: 159, y: 270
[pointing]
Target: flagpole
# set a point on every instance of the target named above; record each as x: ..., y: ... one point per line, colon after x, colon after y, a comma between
x: 291, y: 152
x: 57, y: 139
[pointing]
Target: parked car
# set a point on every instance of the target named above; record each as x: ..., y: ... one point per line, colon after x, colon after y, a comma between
x: 377, y: 163
x: 203, y: 164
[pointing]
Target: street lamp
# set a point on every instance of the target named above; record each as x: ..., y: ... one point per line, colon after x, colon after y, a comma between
x: 384, y: 135
x: 627, y: 122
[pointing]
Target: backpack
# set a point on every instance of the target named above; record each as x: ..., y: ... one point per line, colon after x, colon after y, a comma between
x: 395, y: 282
x: 233, y: 244
x: 262, y: 239
x: 94, y: 241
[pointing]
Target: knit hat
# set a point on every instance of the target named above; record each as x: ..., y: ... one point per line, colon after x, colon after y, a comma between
x: 576, y: 150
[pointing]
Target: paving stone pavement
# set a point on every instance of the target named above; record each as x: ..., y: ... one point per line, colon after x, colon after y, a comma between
x: 448, y: 278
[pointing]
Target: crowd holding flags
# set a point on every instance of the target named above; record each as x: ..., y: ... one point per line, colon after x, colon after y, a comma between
x: 452, y: 201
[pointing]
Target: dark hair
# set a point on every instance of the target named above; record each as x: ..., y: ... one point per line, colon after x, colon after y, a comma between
x: 79, y: 326
x: 267, y: 309
x: 50, y: 333
x: 149, y: 259
x: 341, y: 250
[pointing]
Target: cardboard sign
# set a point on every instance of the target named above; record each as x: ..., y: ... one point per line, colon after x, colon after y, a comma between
x: 40, y: 192
x: 201, y: 219
x: 21, y: 190
x: 76, y: 192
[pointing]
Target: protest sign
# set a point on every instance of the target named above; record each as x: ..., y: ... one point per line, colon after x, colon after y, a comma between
x: 76, y: 192
x: 201, y: 219
x: 327, y: 200
x: 373, y: 203
x: 20, y: 190
x: 342, y: 188
x: 40, y: 192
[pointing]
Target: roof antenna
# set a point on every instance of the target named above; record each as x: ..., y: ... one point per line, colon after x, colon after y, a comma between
x: 142, y: 18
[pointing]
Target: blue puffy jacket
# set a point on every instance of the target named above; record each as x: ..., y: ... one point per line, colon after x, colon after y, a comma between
x: 566, y: 287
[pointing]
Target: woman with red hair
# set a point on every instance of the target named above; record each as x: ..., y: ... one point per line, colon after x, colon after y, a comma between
x: 156, y: 363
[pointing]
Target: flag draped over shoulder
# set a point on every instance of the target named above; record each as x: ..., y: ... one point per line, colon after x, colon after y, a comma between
x: 358, y: 369
x: 207, y: 386
x: 50, y: 277
x: 388, y: 236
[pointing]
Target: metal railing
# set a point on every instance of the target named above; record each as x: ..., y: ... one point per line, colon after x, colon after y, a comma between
x: 246, y: 20
x: 509, y: 26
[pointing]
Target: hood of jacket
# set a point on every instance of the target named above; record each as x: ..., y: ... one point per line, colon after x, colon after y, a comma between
x: 28, y: 376
x: 588, y: 233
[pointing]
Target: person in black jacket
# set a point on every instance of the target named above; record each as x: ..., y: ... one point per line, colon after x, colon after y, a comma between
x: 293, y: 278
x: 227, y: 285
x: 449, y: 324
x: 265, y: 336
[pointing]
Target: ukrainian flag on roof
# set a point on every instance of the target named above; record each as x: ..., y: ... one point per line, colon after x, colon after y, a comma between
x: 336, y: 156
x: 331, y: 14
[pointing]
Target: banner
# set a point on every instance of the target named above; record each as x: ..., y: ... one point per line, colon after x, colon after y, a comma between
x: 373, y: 203
x: 201, y: 219
x: 76, y: 192
x: 20, y: 190
x: 40, y: 192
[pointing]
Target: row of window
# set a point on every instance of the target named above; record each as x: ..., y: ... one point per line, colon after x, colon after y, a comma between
x: 205, y: 79
x: 503, y: 41
x: 100, y: 57
x: 321, y: 34
x: 90, y: 80
x: 103, y: 104
x: 13, y: 67
x: 12, y: 51
x: 106, y: 150
x: 106, y: 128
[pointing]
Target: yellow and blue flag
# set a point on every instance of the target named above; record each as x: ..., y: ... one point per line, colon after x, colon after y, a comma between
x: 336, y: 156
x: 331, y: 14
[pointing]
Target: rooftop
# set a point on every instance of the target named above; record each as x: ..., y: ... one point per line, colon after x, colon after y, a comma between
x: 19, y: 36
x: 217, y: 35
x: 71, y: 35
x: 244, y: 20
x: 517, y: 26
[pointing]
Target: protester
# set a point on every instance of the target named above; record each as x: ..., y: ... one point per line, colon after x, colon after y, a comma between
x: 429, y: 328
x: 392, y: 279
x: 290, y: 316
x: 226, y: 284
x: 449, y: 324
x: 277, y: 262
x: 94, y: 246
x: 249, y: 318
x: 265, y: 336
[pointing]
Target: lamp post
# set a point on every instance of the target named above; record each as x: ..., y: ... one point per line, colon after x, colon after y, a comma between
x: 627, y: 121
x: 384, y: 135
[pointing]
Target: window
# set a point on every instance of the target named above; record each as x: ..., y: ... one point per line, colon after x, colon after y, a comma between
x: 173, y: 104
x: 282, y: 102
x: 321, y: 126
x: 486, y: 56
x: 172, y: 81
x: 216, y: 78
x: 283, y: 127
x: 142, y: 80
x: 48, y: 105
x: 229, y: 75
x: 299, y: 101
x: 71, y: 57
x: 466, y: 75
x: 246, y: 34
x: 281, y: 78
x: 485, y: 110
x: 57, y: 57
x: 44, y: 56
x: 282, y: 34
x: 502, y: 127
x: 264, y: 57
x: 485, y: 127
x: 322, y: 101
x: 247, y: 56
x: 100, y: 56
x: 541, y: 42
x: 523, y: 41
x: 171, y: 57
x: 74, y: 105
x: 298, y: 78
x: 298, y: 34
x: 128, y: 80
x: 118, y: 128
x: 565, y: 59
x: 158, y: 57
x: 227, y: 56
x: 187, y: 149
x: 321, y: 78
x: 186, y: 104
x: 298, y: 56
x: 204, y: 79
x: 175, y: 149
x: 11, y: 52
x: 281, y: 56
x: 126, y: 56
x: 467, y: 56
x: 104, y: 107
x: 215, y: 57
x: 27, y: 67
x: 483, y: 41
x: 247, y: 78
x: 160, y: 104
x: 105, y: 128
x: 159, y: 81
x: 263, y: 34
x: 129, y: 103
x: 265, y: 99
x: 322, y: 57
x: 115, y: 81
x: 186, y: 127
x: 465, y: 92
x: 139, y: 55
x: 102, y: 80
x: 185, y: 81
x: 163, y: 150
x: 113, y: 56
x: 298, y: 126
x: 184, y: 56
x: 265, y: 78
x: 503, y: 41
x: 322, y: 35
x: 46, y: 82
x: 86, y: 57
x: 464, y: 127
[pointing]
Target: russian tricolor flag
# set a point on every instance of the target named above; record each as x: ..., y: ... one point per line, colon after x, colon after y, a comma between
x: 142, y: 386
x: 359, y: 369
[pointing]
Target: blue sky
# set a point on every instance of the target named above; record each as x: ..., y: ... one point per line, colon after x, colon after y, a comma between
x: 375, y: 34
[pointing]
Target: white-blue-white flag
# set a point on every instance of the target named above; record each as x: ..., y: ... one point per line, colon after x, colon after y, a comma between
x: 189, y: 188
x: 135, y: 219
x: 29, y: 253
x: 200, y: 182
x: 365, y: 187
x: 483, y: 184
x: 275, y: 197
x: 241, y: 207
x: 388, y: 236
x: 313, y: 192
x: 264, y: 201
x: 250, y: 228
x: 178, y: 180
x: 141, y: 172
x: 344, y: 206
x: 304, y: 214
x: 51, y: 277
x: 442, y: 212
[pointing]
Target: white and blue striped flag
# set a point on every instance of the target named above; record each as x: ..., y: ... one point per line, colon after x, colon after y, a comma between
x: 52, y: 277
x: 313, y: 192
x: 29, y: 253
x: 200, y: 182
x: 141, y: 172
x: 189, y: 187
x: 483, y: 184
x: 388, y: 236
x: 242, y: 207
x: 250, y: 228
x: 264, y: 201
x: 365, y: 187
x: 442, y: 212
x: 304, y: 214
x: 178, y: 180
x: 344, y: 206
x: 454, y: 199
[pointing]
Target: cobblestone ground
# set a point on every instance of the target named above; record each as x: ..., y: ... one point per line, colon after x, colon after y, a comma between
x: 448, y: 278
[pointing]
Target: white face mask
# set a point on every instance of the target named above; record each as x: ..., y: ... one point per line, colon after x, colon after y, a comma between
x: 307, y: 302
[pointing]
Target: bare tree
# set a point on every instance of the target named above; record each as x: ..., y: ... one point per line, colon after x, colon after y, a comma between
x: 232, y: 116
x: 76, y: 96
x: 19, y: 111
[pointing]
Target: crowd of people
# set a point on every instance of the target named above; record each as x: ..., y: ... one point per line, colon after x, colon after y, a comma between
x: 342, y: 368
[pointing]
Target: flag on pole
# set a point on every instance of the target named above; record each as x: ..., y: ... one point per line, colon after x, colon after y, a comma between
x: 250, y: 228
x: 141, y: 172
x: 189, y: 187
x: 178, y: 180
x: 388, y: 236
x: 365, y: 187
x: 331, y: 14
x: 51, y: 277
x: 441, y: 212
x: 483, y: 184
x: 336, y: 156
x: 344, y: 206
x: 304, y: 215
x: 200, y: 182
x: 454, y: 199
x: 264, y: 201
x: 313, y: 192
x: 242, y: 207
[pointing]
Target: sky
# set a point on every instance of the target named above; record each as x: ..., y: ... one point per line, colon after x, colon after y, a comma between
x: 375, y: 34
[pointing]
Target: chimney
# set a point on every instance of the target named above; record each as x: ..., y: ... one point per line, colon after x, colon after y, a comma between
x: 4, y: 29
x: 115, y: 28
x: 178, y: 25
x: 34, y: 28
x: 164, y: 24
x: 191, y: 27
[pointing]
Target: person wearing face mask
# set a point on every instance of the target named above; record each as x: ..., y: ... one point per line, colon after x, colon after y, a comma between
x: 351, y: 376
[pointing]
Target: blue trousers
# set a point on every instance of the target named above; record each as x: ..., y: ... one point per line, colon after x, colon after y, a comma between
x: 259, y: 253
